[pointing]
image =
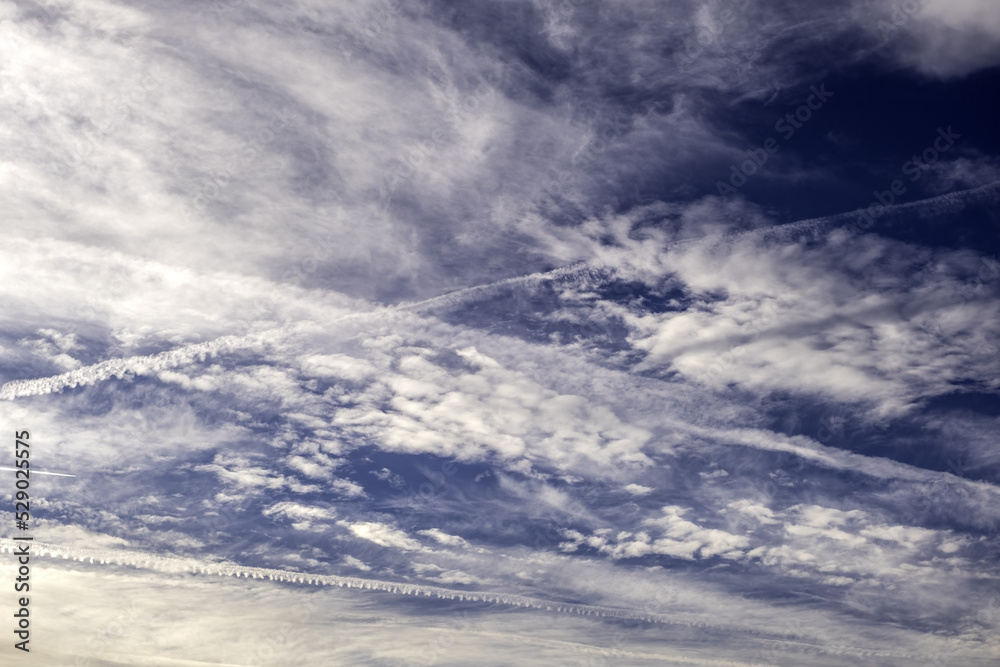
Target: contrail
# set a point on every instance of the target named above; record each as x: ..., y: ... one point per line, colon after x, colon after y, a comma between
x: 175, y: 565
x: 143, y: 365
x: 139, y: 365
x: 39, y: 472
x: 940, y: 203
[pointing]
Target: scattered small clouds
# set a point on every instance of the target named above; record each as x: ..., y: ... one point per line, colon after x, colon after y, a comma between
x: 667, y: 535
x: 386, y: 475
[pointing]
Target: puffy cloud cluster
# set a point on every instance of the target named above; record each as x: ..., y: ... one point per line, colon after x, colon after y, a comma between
x: 672, y: 536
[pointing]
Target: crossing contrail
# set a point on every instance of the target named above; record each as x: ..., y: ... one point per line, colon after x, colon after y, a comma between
x: 149, y: 364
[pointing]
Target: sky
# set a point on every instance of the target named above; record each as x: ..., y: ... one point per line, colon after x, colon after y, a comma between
x: 575, y: 332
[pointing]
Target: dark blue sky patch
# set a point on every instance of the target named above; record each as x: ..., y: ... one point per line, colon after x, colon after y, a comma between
x: 864, y: 136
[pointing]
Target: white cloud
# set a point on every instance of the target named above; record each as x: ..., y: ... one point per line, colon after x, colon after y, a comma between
x: 494, y: 411
x: 351, y: 561
x: 851, y: 343
x: 382, y: 535
x: 944, y: 37
x: 348, y: 488
x: 673, y: 536
x: 759, y: 512
x: 444, y: 538
x: 301, y: 516
x: 246, y: 477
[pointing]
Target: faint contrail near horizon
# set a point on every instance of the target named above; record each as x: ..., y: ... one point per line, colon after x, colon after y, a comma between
x: 658, y: 613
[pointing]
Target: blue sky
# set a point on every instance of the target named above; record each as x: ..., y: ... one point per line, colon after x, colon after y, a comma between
x: 577, y: 332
